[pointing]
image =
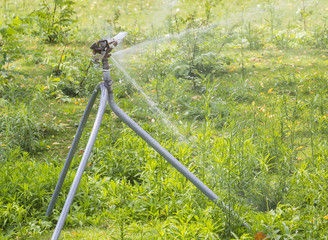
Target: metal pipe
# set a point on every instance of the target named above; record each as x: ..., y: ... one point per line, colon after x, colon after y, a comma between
x: 83, y: 163
x: 172, y: 160
x: 72, y: 151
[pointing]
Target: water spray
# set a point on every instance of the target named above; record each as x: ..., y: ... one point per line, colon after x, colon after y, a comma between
x: 101, y: 51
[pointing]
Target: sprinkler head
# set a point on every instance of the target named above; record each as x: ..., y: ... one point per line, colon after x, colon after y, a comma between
x: 103, y: 47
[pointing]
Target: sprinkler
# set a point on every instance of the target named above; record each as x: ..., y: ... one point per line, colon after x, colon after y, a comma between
x: 101, y: 51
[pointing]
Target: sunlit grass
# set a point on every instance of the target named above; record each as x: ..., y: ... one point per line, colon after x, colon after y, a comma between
x: 253, y: 116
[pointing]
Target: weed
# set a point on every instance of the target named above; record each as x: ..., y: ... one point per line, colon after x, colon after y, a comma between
x: 20, y: 127
x: 253, y: 37
x: 11, y: 41
x: 55, y: 20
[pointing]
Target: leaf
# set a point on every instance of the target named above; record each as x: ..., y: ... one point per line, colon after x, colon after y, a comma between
x: 16, y: 22
x: 260, y: 236
x: 56, y: 79
x: 270, y: 90
x: 196, y: 97
x: 233, y: 68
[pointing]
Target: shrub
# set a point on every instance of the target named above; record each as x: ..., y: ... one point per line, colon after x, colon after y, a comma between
x: 55, y: 20
x: 11, y: 41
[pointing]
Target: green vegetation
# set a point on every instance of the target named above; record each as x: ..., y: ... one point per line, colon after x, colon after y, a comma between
x: 236, y: 90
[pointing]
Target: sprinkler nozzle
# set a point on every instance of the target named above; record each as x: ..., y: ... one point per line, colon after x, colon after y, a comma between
x: 103, y: 47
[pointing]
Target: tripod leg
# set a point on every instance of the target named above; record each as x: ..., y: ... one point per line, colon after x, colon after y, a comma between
x: 168, y: 156
x: 83, y: 163
x: 72, y: 151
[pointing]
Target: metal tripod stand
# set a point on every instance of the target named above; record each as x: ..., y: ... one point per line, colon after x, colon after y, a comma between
x: 103, y: 47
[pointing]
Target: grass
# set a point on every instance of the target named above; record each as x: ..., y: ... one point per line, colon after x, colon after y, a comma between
x: 237, y: 93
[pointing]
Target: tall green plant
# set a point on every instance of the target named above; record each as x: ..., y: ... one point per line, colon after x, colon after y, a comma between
x: 11, y: 41
x: 21, y: 127
x: 55, y: 20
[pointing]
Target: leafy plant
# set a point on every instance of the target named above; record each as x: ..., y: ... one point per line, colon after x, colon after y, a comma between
x: 320, y: 35
x: 304, y: 14
x: 209, y: 5
x: 252, y: 36
x: 20, y: 127
x: 11, y: 42
x: 22, y: 214
x: 56, y: 20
